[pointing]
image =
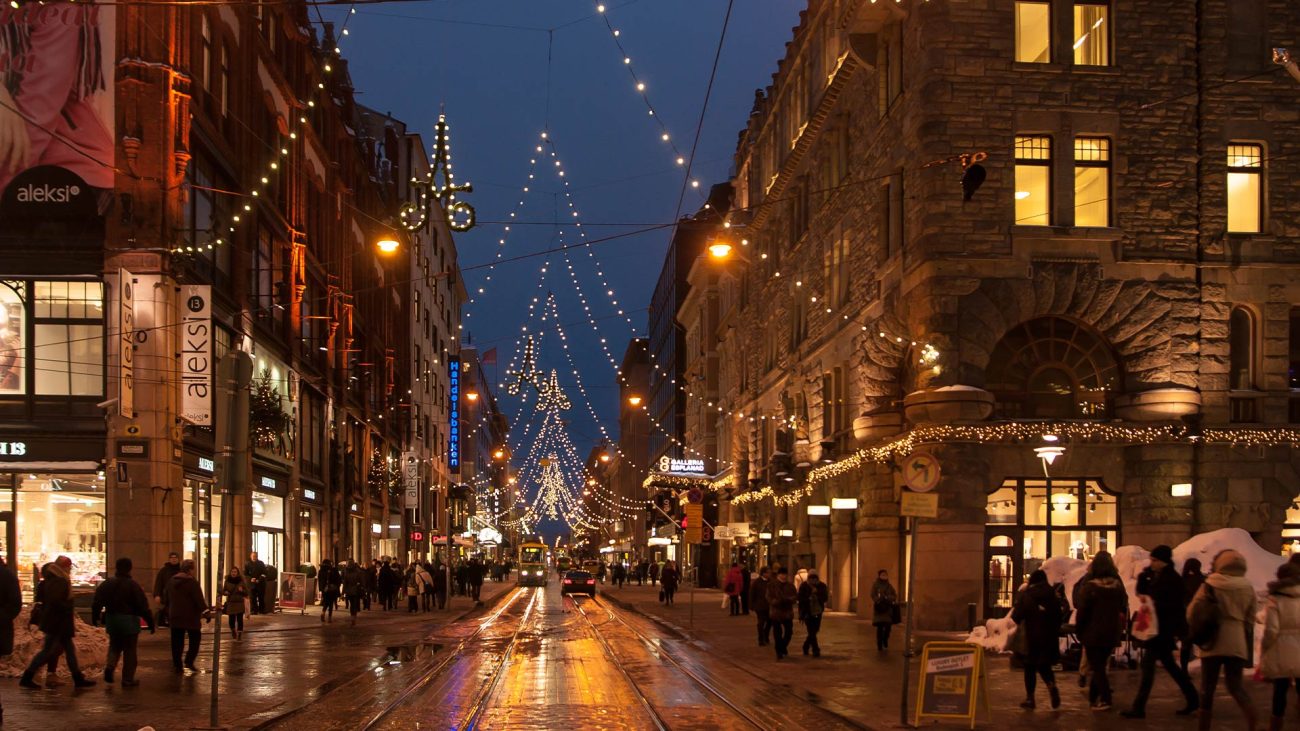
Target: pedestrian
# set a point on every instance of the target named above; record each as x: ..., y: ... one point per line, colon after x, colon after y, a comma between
x: 11, y: 603
x: 411, y: 583
x: 758, y: 600
x: 654, y: 573
x: 426, y: 585
x: 1162, y: 584
x: 255, y: 572
x: 668, y: 577
x: 1101, y: 618
x: 1084, y: 675
x: 884, y: 597
x: 123, y: 604
x: 1231, y: 598
x: 1037, y: 615
x: 370, y: 577
x: 781, y: 597
x: 56, y: 620
x: 1280, y: 650
x: 440, y: 585
x: 732, y: 585
x: 745, y: 581
x: 642, y: 568
x: 331, y: 582
x: 161, y: 581
x: 474, y: 579
x: 1192, y: 580
x: 600, y: 571
x: 813, y: 596
x: 234, y: 593
x: 187, y: 612
x: 354, y: 588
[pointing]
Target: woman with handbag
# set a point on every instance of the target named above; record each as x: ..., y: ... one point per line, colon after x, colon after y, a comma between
x: 732, y: 587
x: 1222, y: 620
x: 234, y: 593
x: 1037, y: 615
x: 884, y: 606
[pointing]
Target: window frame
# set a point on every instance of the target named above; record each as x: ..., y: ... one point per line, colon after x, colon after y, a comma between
x: 1046, y: 162
x: 26, y: 291
x: 1251, y: 356
x: 1258, y: 170
x: 1016, y: 31
x: 1076, y: 40
x: 1107, y: 163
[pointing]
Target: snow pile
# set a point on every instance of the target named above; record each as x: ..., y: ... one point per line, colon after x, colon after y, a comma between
x: 91, y: 643
x: 1261, y: 568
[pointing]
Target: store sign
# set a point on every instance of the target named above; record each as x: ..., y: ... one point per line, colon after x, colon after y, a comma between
x: 693, y: 466
x: 411, y: 480
x: 417, y: 536
x: 453, y: 427
x: 308, y: 494
x: 196, y: 354
x: 206, y: 465
x: 268, y: 483
x: 126, y: 344
x: 693, y: 523
x: 13, y: 449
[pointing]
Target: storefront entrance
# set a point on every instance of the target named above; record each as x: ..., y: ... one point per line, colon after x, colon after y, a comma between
x: 1033, y: 519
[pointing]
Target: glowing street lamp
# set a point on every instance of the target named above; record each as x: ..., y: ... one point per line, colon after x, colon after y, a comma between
x: 634, y: 400
x: 471, y: 396
x: 387, y: 245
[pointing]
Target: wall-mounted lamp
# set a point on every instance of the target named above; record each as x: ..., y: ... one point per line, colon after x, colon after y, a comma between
x: 785, y: 533
x: 764, y: 535
x: 819, y: 510
x: 1181, y: 489
x: 844, y: 503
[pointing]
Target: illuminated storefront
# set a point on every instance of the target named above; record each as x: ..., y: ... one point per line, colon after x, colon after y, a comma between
x: 268, y: 520
x: 202, y: 519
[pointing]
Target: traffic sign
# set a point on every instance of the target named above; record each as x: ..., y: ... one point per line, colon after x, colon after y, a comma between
x: 693, y: 523
x: 695, y: 495
x: 919, y: 505
x: 921, y: 471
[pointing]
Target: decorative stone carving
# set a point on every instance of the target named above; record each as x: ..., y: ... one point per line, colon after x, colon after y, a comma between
x: 1158, y: 404
x: 948, y: 404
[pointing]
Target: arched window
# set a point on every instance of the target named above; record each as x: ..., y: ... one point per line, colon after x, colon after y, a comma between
x: 1241, y: 349
x: 1052, y: 368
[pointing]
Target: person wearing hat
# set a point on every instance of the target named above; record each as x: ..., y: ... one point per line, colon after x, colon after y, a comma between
x: 781, y: 597
x: 57, y: 622
x: 1160, y: 581
x: 1231, y: 650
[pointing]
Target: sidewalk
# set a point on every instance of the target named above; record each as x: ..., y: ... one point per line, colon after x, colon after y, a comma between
x: 854, y: 680
x: 284, y: 662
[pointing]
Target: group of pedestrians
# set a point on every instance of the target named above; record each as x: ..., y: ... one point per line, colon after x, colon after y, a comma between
x: 1213, y: 616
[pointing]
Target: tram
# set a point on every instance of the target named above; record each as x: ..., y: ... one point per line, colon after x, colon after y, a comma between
x: 533, y: 563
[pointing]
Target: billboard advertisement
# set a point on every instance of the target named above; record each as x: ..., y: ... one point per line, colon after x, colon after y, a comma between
x: 56, y: 106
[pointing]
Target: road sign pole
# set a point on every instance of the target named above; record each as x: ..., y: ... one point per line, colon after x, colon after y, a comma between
x: 907, y: 628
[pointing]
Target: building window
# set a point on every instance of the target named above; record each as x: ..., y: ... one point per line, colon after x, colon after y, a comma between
x: 1033, y: 32
x: 1091, y: 181
x: 798, y: 313
x: 225, y: 79
x: 834, y: 404
x: 1092, y: 34
x: 1052, y: 368
x: 205, y: 54
x: 1241, y: 349
x: 1033, y: 180
x: 836, y: 274
x: 1245, y: 187
x: 65, y: 342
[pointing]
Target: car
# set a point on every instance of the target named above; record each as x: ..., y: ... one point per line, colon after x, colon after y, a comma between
x: 578, y: 582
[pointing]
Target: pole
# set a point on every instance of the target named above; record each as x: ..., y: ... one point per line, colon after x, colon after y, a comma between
x: 223, y: 547
x: 907, y: 628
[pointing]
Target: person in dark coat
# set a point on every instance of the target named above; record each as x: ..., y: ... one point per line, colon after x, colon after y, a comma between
x: 883, y: 598
x: 123, y: 604
x: 330, y: 581
x: 188, y: 610
x: 1102, y: 615
x: 654, y: 572
x: 1192, y: 580
x: 354, y: 588
x: 255, y: 573
x: 474, y: 578
x: 1037, y: 615
x: 161, y: 581
x: 1165, y: 587
x: 440, y: 585
x: 758, y: 601
x: 813, y: 597
x: 781, y: 598
x: 11, y: 603
x: 668, y: 578
x: 57, y: 622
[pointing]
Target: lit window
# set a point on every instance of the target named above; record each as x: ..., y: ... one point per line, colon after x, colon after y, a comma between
x: 1245, y: 198
x: 1033, y: 180
x: 1092, y: 34
x: 1091, y: 181
x: 1033, y: 32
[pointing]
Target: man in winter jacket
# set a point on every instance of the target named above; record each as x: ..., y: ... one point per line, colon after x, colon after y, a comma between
x: 161, y: 581
x: 123, y: 605
x: 781, y: 596
x: 187, y: 611
x: 57, y: 622
x: 758, y: 601
x: 1101, y: 615
x: 1161, y: 582
x: 813, y: 598
x: 1192, y: 580
x: 354, y: 588
x: 255, y: 572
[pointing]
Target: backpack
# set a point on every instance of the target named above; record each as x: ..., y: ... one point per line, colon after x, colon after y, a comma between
x: 1204, y: 619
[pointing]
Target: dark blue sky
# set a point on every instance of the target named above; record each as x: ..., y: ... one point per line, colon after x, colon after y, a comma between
x: 413, y: 59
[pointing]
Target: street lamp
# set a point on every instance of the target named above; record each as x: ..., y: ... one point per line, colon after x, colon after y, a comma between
x: 387, y: 244
x: 634, y: 400
x: 471, y: 396
x: 604, y: 456
x: 722, y: 250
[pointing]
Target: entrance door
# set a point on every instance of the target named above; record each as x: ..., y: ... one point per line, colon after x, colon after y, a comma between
x: 1002, y: 562
x: 8, y: 537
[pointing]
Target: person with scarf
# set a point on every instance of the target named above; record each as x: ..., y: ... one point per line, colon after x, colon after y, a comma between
x: 1102, y: 615
x: 883, y: 598
x: 1280, y: 650
x: 122, y: 604
x: 54, y: 594
x: 1229, y: 652
x: 781, y: 598
x: 234, y: 594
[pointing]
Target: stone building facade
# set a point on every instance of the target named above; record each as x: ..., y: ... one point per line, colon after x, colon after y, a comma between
x: 1118, y: 268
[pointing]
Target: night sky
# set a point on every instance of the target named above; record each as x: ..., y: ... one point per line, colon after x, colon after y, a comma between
x: 485, y: 62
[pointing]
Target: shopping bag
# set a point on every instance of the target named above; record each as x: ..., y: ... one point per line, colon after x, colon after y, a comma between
x: 661, y: 596
x: 726, y: 601
x: 1145, y: 624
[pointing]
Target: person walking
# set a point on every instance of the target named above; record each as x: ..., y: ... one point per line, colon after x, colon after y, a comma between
x: 1280, y: 650
x: 669, y: 577
x: 813, y: 596
x: 781, y: 597
x: 1102, y: 616
x: 732, y: 586
x: 758, y: 600
x: 884, y: 597
x: 1232, y: 647
x: 474, y: 579
x: 425, y: 580
x: 122, y: 604
x: 654, y: 573
x: 54, y: 594
x: 11, y: 604
x: 161, y: 581
x: 234, y: 595
x: 1162, y: 584
x: 440, y: 586
x: 1192, y: 580
x: 1037, y: 614
x: 411, y: 584
x: 255, y: 572
x: 354, y: 588
x: 370, y: 576
x: 331, y: 583
x: 188, y: 610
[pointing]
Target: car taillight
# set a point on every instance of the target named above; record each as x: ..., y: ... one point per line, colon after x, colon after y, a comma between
x: 591, y: 581
x: 568, y: 581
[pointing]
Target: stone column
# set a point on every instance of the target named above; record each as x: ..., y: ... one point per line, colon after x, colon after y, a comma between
x: 949, y: 570
x: 839, y: 571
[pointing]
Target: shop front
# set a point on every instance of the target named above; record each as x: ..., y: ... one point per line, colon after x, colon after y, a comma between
x: 311, y: 525
x: 202, y: 518
x: 268, y: 518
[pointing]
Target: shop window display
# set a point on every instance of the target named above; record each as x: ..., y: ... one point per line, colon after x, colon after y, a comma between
x: 1291, y: 530
x: 61, y: 514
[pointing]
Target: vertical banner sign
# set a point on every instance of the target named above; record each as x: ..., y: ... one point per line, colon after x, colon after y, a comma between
x: 453, y: 398
x: 694, y: 523
x: 196, y: 354
x: 411, y: 480
x: 126, y: 344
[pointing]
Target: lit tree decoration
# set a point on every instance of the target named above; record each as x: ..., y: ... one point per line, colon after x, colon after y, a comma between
x: 460, y: 215
x: 527, y: 372
x: 266, y: 420
x: 551, y: 397
x: 552, y: 487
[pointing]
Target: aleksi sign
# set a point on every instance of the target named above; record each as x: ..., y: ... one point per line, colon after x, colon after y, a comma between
x: 411, y: 479
x: 196, y: 354
x: 668, y: 464
x: 126, y: 344
x: 453, y: 425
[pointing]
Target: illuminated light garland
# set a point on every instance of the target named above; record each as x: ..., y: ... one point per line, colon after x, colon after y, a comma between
x: 460, y: 215
x: 501, y: 244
